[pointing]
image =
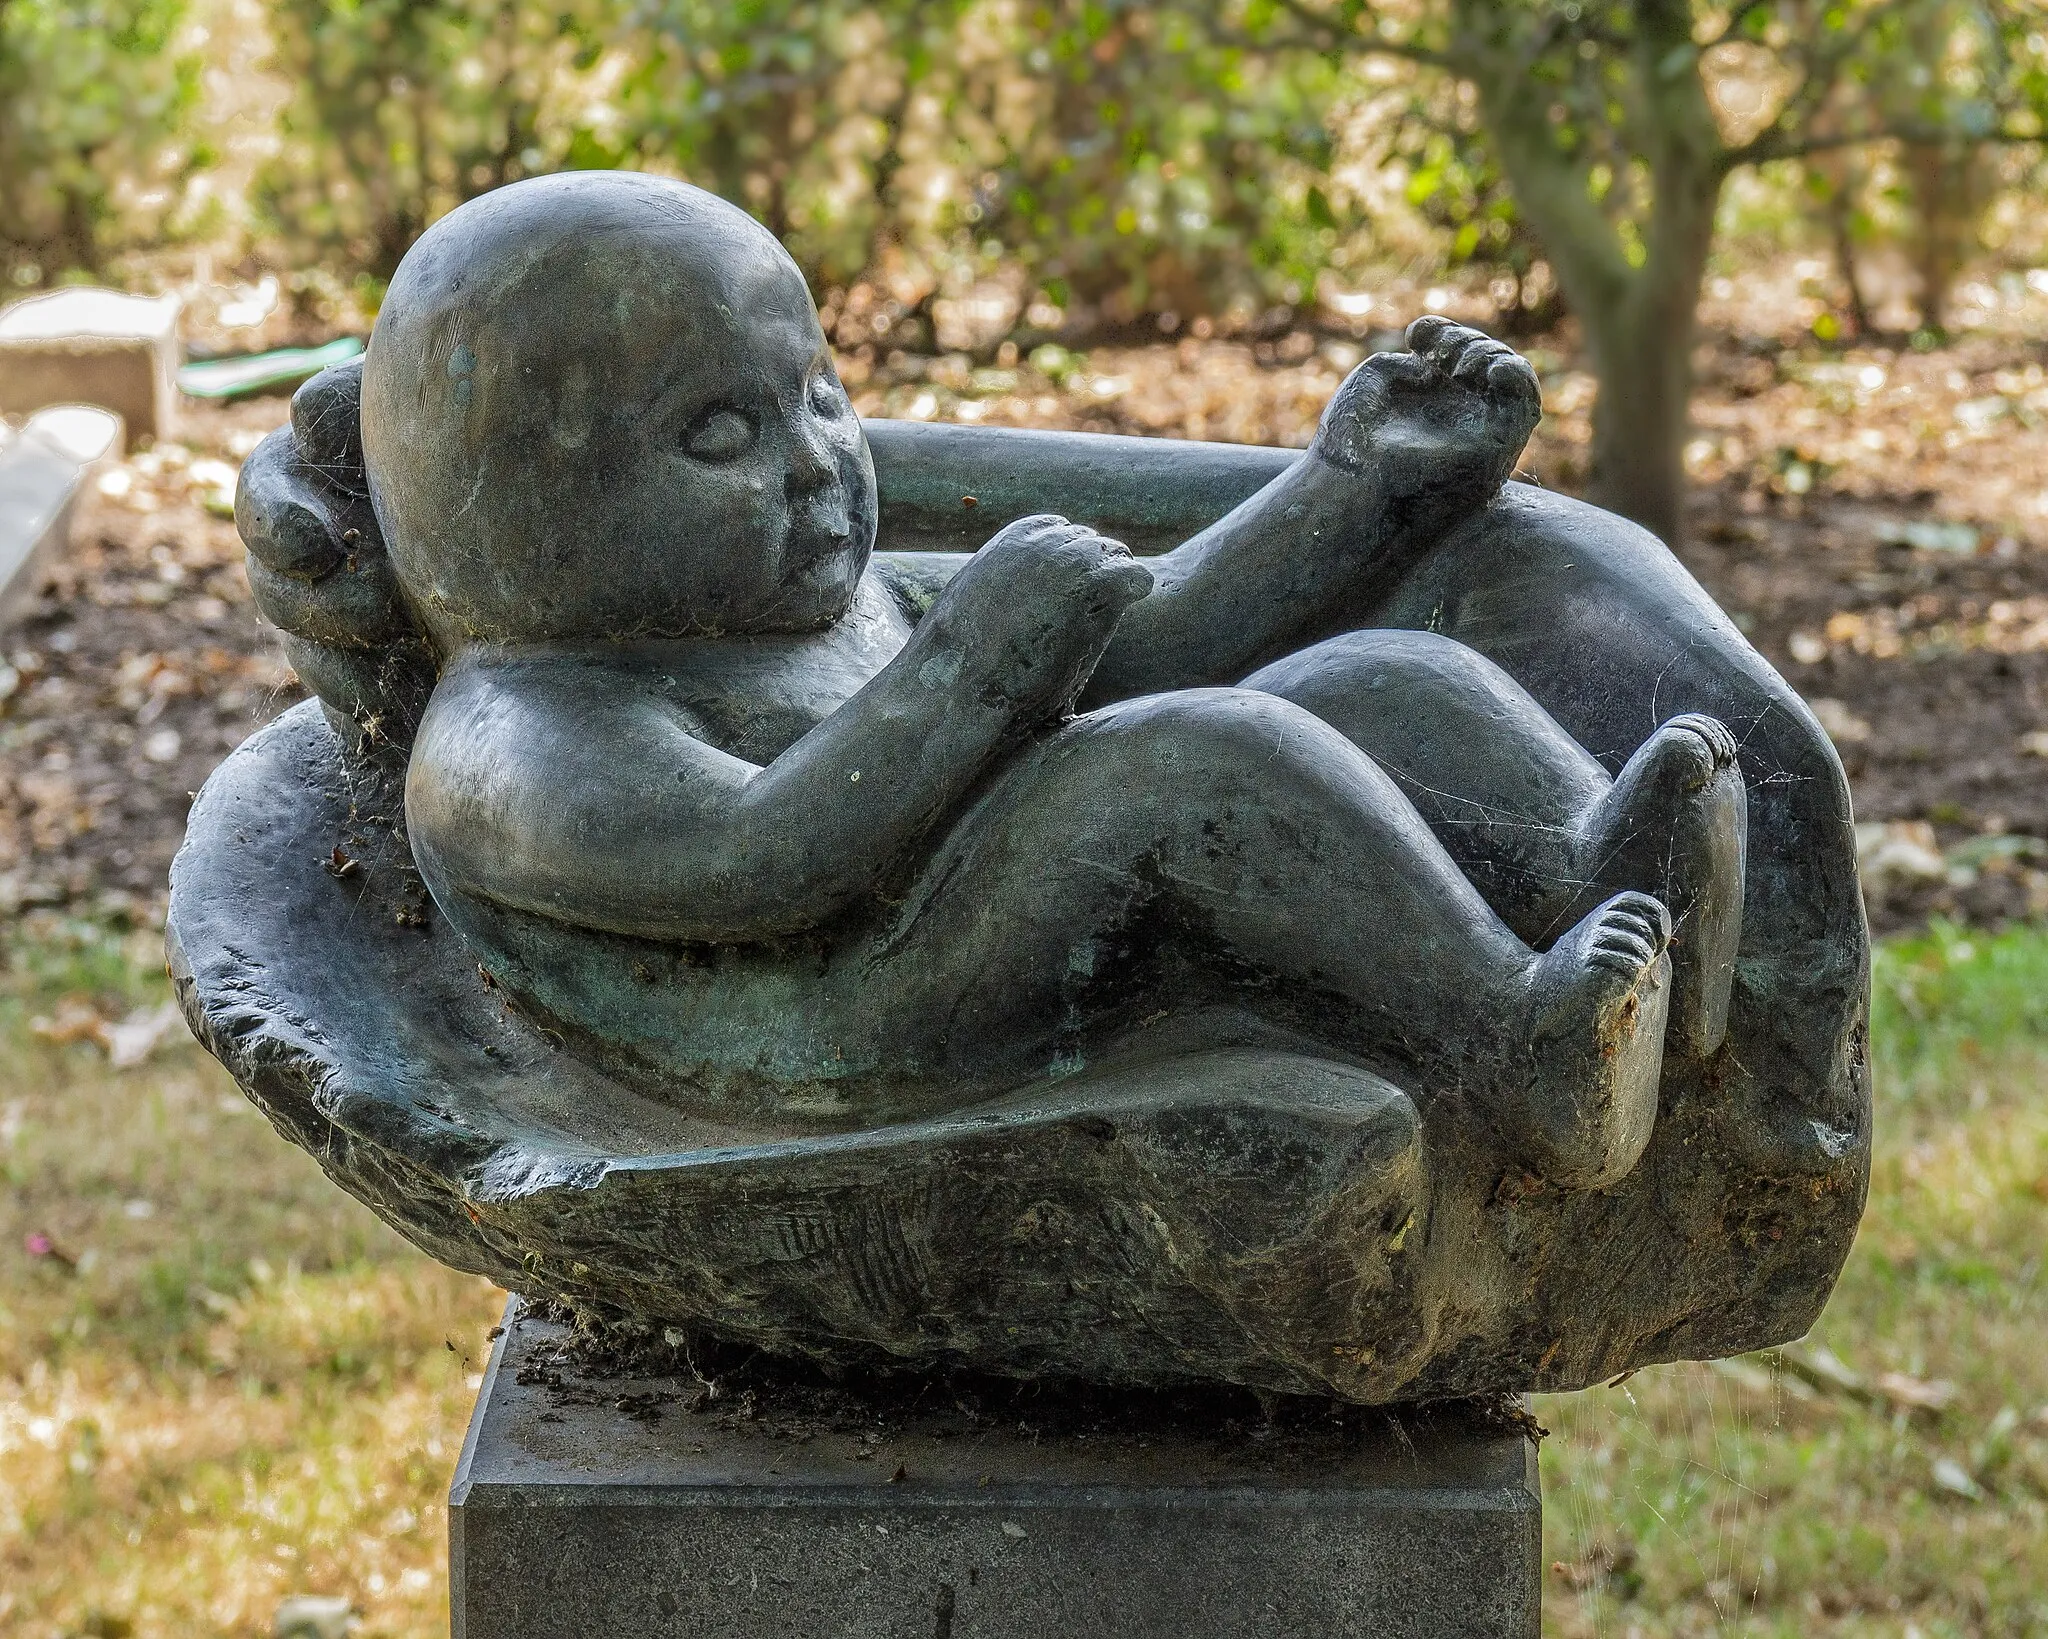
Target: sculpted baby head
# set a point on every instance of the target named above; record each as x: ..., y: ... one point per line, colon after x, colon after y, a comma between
x: 599, y: 405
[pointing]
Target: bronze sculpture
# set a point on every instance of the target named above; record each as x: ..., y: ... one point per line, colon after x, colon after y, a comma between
x: 1219, y: 965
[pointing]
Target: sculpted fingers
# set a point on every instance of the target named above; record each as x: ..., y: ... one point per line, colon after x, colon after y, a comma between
x: 1514, y: 395
x: 1472, y: 362
x: 287, y: 521
x: 1476, y: 361
x: 353, y: 608
x: 327, y: 427
x: 317, y: 566
x: 1445, y: 344
x: 1427, y: 331
x: 302, y: 505
x: 1036, y: 606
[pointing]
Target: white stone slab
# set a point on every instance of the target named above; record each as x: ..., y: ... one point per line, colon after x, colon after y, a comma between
x: 89, y: 346
x: 42, y: 469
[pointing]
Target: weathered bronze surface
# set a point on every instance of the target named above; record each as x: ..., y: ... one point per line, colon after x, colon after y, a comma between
x: 1401, y: 941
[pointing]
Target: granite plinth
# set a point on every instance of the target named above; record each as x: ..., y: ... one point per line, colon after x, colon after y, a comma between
x: 594, y: 1507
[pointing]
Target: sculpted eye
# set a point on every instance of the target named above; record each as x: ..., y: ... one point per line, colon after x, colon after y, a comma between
x: 719, y: 434
x: 827, y: 396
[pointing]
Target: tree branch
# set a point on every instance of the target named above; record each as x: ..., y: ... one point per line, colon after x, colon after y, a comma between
x: 1819, y: 69
x: 1335, y: 38
x: 1309, y: 17
x: 1773, y: 145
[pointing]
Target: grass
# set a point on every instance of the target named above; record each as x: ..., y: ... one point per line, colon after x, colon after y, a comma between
x: 225, y: 1383
x: 1696, y: 1499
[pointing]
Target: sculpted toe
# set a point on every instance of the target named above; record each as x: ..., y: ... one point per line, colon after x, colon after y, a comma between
x: 1582, y: 1113
x: 1717, y: 736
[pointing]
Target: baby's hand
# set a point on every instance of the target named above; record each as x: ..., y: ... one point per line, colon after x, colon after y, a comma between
x: 1445, y: 421
x: 1032, y: 611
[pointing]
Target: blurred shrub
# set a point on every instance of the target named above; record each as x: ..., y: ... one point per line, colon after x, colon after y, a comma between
x: 951, y: 168
x: 1125, y: 160
x: 95, y: 96
x: 1110, y: 158
x: 402, y: 109
x: 1454, y: 182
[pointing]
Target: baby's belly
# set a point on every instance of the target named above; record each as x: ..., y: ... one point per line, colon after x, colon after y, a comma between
x: 777, y: 1034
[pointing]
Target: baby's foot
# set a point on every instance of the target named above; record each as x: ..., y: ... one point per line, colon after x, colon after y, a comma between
x: 1676, y: 823
x: 1580, y: 1092
x: 1442, y: 424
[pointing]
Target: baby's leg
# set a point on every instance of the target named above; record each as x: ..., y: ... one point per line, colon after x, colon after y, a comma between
x: 1529, y: 816
x: 1223, y: 853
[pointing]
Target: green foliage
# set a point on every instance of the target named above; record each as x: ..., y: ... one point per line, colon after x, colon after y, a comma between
x: 1746, y: 1498
x: 1159, y: 167
x: 1117, y: 158
x: 1457, y: 187
x: 405, y: 108
x: 93, y: 97
x: 797, y: 111
x: 1607, y: 92
x: 1614, y: 127
x: 1110, y: 154
x: 1954, y: 997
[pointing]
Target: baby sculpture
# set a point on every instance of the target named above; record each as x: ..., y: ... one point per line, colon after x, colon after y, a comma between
x: 1039, y: 959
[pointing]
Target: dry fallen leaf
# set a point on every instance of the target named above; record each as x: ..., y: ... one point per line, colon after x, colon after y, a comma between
x: 1912, y: 1394
x: 141, y: 1033
x: 76, y: 1019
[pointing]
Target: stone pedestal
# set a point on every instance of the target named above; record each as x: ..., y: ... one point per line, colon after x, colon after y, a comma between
x: 591, y: 1507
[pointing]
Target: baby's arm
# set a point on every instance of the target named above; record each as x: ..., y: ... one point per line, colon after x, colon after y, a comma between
x: 563, y: 789
x: 1411, y: 444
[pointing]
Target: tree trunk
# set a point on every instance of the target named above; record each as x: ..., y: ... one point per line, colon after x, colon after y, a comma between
x: 1642, y: 355
x: 1638, y: 307
x: 1642, y: 350
x: 1946, y: 182
x: 1842, y: 236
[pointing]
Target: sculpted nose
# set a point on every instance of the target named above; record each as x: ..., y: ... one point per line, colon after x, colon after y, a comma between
x: 826, y: 512
x: 811, y: 463
x: 816, y: 493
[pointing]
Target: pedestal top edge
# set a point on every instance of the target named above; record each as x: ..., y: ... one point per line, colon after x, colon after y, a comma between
x: 543, y: 1434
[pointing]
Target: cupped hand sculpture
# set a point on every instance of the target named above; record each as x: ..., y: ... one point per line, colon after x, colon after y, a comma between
x: 1401, y: 941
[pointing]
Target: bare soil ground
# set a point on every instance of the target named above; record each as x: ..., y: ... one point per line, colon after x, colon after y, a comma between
x: 1875, y: 519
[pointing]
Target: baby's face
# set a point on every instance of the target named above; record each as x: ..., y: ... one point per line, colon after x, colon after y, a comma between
x: 599, y: 406
x: 751, y: 451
